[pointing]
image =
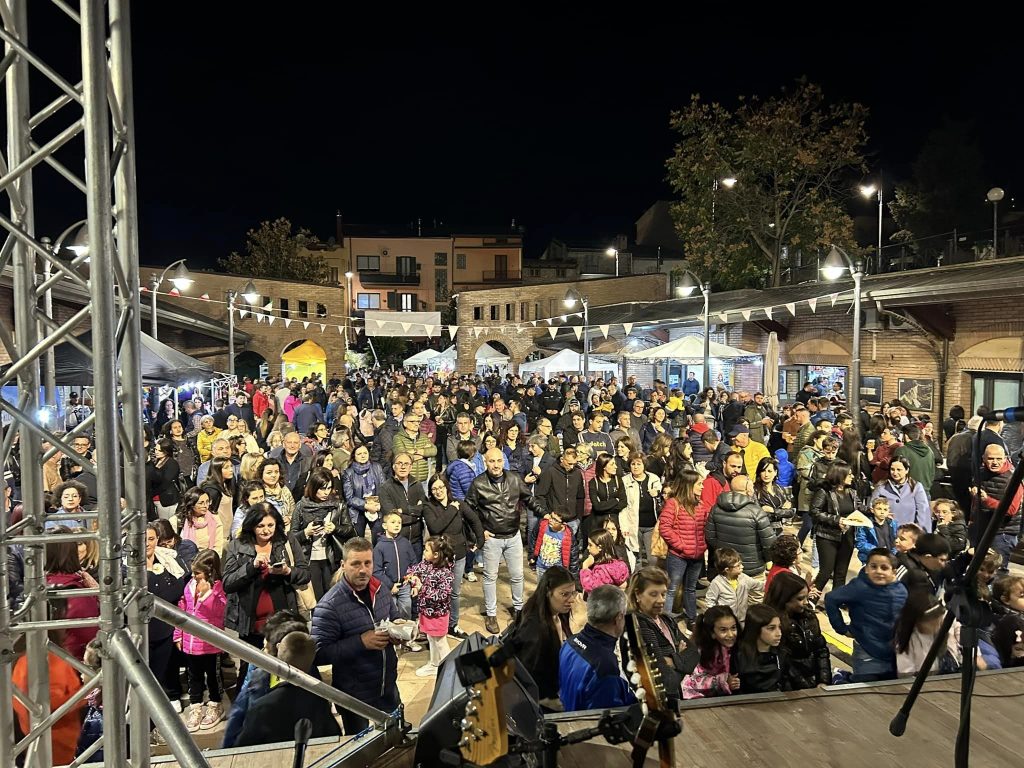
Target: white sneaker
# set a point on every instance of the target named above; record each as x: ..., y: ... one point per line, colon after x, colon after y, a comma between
x: 471, y: 576
x: 427, y: 670
x: 413, y: 646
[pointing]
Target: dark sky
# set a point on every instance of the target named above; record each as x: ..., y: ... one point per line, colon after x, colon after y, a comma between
x: 296, y: 110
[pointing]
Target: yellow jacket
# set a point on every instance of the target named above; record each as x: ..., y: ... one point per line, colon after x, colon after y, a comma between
x: 204, y: 443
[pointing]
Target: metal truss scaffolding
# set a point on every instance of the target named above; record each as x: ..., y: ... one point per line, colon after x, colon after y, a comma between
x: 97, y: 112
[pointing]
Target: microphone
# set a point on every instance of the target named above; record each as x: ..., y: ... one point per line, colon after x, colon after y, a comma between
x: 303, y: 730
x: 1007, y: 414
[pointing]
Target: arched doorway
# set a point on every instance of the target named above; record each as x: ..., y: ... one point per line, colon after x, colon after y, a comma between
x: 303, y: 358
x: 250, y: 364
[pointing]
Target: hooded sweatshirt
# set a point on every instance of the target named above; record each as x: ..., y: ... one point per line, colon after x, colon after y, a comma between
x: 922, y: 461
x: 786, y: 469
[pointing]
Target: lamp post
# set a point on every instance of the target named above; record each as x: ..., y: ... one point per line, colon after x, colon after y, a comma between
x: 349, y: 306
x: 994, y: 196
x: 836, y: 263
x: 867, y: 190
x: 571, y: 297
x: 688, y: 285
x: 181, y: 281
x: 614, y: 252
x: 251, y: 296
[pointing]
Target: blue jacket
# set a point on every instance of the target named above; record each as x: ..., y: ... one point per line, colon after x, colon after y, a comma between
x: 588, y: 673
x: 786, y: 468
x: 873, y: 613
x: 358, y: 482
x: 460, y: 477
x: 339, y: 621
x: 391, y: 559
x: 867, y: 539
x: 691, y: 387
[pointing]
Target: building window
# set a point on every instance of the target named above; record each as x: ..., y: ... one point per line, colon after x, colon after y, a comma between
x: 523, y: 306
x: 560, y: 272
x: 441, y: 285
x: 321, y: 311
x: 365, y: 301
x: 440, y: 259
x: 460, y: 261
x: 405, y: 266
x: 536, y: 312
x: 284, y: 308
x: 335, y: 275
x: 478, y: 313
x: 303, y: 308
x: 494, y: 311
x: 509, y: 312
x: 368, y: 263
x: 408, y: 302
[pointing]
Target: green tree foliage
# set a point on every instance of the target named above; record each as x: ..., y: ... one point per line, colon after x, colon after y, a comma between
x: 945, y: 192
x: 794, y: 157
x: 273, y: 251
x: 391, y: 350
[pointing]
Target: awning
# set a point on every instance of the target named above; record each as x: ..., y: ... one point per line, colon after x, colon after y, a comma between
x: 566, y: 361
x: 421, y: 358
x: 690, y: 351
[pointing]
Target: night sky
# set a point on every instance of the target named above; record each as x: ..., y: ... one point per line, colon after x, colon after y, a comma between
x: 563, y: 126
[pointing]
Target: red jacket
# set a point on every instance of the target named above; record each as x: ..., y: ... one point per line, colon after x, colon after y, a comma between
x: 566, y: 542
x: 683, y: 532
x: 259, y: 403
x: 77, y: 638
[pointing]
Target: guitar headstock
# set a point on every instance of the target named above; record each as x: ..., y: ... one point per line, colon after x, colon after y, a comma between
x: 484, y: 731
x: 645, y: 676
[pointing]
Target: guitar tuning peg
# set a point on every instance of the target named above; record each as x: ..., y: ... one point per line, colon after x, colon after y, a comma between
x: 475, y: 695
x: 631, y: 666
x: 471, y: 710
x: 464, y: 742
x: 465, y: 725
x: 640, y: 694
x: 635, y: 679
x: 644, y: 709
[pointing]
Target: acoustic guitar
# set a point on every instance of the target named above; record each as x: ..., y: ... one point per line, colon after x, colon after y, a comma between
x: 659, y: 723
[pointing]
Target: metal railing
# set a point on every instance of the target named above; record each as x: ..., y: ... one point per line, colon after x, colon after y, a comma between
x: 388, y: 278
x: 503, y: 276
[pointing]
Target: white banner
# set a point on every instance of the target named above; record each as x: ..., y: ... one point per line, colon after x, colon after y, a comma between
x: 383, y: 323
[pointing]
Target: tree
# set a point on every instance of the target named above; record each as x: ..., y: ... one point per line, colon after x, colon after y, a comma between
x: 945, y: 191
x: 390, y: 349
x: 793, y: 157
x: 273, y: 251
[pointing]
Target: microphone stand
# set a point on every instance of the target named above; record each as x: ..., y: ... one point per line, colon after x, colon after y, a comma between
x: 967, y: 607
x: 303, y: 732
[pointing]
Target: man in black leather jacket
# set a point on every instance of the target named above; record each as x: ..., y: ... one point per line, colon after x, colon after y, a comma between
x: 495, y: 497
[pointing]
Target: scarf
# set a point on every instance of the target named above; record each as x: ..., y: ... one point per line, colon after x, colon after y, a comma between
x: 168, y: 558
x: 188, y: 530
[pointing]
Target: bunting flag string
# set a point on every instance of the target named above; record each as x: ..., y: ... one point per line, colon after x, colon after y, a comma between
x: 429, y: 329
x: 205, y: 297
x: 174, y: 292
x: 323, y: 327
x: 242, y: 313
x: 723, y: 316
x: 452, y: 330
x: 627, y: 327
x: 746, y: 314
x: 813, y: 304
x: 791, y: 306
x: 553, y: 331
x: 271, y: 319
x: 406, y: 327
x: 288, y: 323
x: 834, y: 297
x: 768, y: 312
x: 604, y: 330
x: 578, y: 330
x: 305, y: 325
x: 268, y: 306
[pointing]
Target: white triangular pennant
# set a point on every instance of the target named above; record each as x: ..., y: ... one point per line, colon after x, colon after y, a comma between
x: 205, y: 297
x: 791, y: 306
x: 501, y: 329
x: 287, y: 323
x: 553, y: 331
x: 578, y: 330
x: 242, y: 313
x: 723, y: 316
x: 627, y: 327
x: 813, y: 304
x: 745, y: 313
x: 477, y: 332
x: 174, y: 292
x: 271, y: 319
x: 323, y: 327
x: 259, y: 317
x: 452, y: 330
x: 565, y: 318
x: 429, y: 330
x: 768, y: 312
x: 305, y: 325
x: 604, y: 330
x: 533, y: 323
x: 406, y: 327
x: 268, y: 306
x: 834, y: 297
x: 548, y: 320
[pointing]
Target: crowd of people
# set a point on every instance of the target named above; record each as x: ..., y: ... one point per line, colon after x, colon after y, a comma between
x: 333, y: 522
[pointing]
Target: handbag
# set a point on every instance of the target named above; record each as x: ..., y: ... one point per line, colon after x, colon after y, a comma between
x: 659, y: 547
x: 305, y: 594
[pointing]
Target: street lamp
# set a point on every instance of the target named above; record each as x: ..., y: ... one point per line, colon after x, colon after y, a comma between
x: 689, y: 284
x: 836, y: 263
x: 867, y: 190
x: 251, y: 296
x: 994, y: 196
x: 728, y: 182
x: 571, y: 297
x: 181, y: 281
x: 614, y: 252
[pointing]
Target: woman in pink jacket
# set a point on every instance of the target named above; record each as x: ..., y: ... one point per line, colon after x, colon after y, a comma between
x: 204, y: 599
x: 64, y: 571
x: 681, y: 525
x: 602, y: 566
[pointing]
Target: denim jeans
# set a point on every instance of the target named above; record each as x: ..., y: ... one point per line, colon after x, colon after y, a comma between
x: 453, y: 614
x: 532, y: 526
x: 1004, y: 544
x: 644, y: 555
x: 682, y: 570
x: 868, y: 669
x: 403, y: 601
x: 511, y: 549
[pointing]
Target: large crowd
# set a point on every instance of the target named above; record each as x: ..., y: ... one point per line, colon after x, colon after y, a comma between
x: 333, y: 522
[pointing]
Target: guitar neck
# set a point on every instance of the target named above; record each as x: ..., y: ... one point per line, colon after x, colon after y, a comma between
x: 666, y: 753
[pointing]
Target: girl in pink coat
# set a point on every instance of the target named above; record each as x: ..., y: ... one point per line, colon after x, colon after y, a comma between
x: 204, y: 599
x: 603, y: 565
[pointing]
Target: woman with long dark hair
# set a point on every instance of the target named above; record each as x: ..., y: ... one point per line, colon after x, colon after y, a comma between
x: 513, y: 445
x: 64, y: 571
x: 322, y: 526
x: 542, y: 628
x: 276, y: 492
x: 773, y: 498
x: 162, y: 474
x: 830, y: 507
x: 657, y: 425
x: 809, y: 661
x: 262, y: 569
x: 681, y: 525
x: 220, y: 485
x: 607, y: 496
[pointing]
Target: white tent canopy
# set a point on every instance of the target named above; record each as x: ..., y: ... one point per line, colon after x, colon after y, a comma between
x: 689, y: 350
x: 490, y: 356
x: 565, y: 361
x: 486, y: 355
x: 422, y: 358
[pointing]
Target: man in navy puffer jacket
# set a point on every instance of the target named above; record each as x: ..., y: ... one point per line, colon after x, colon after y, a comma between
x: 364, y: 663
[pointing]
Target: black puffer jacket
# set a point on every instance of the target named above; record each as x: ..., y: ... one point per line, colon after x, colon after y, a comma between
x: 809, y: 661
x: 826, y: 509
x: 496, y: 501
x: 308, y: 511
x: 242, y: 582
x: 738, y: 522
x: 451, y: 522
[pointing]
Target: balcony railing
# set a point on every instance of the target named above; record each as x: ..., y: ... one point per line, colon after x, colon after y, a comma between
x: 503, y: 276
x: 388, y: 278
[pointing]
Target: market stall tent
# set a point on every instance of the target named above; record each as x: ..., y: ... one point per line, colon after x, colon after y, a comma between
x: 566, y: 361
x: 486, y: 355
x: 689, y: 350
x: 421, y: 358
x: 304, y: 360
